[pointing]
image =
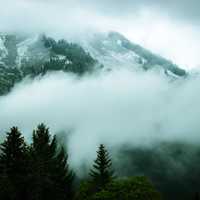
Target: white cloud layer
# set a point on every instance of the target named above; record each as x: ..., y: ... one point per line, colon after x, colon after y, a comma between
x: 116, y: 108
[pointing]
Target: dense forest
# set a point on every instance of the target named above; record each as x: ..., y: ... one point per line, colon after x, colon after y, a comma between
x: 41, y: 170
x: 45, y: 56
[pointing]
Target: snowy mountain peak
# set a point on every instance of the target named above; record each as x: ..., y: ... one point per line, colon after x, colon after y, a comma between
x: 22, y: 56
x: 114, y: 50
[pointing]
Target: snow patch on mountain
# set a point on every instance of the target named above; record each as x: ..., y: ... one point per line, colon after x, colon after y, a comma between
x: 22, y: 48
x: 113, y: 50
x: 31, y: 50
x: 111, y: 53
x: 3, y: 50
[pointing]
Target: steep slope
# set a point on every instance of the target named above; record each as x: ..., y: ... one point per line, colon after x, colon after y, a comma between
x: 114, y: 50
x: 22, y: 56
x: 32, y: 56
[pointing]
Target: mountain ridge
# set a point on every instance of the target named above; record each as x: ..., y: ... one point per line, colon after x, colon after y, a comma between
x: 140, y: 56
x: 22, y: 56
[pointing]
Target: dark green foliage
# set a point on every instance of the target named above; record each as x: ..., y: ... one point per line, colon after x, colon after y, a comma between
x: 133, y: 188
x: 63, y: 176
x: 51, y: 178
x: 85, y: 191
x: 8, y: 77
x: 40, y: 171
x: 68, y: 57
x: 137, y: 188
x: 44, y: 56
x: 13, y: 160
x: 63, y: 56
x: 172, y: 166
x: 102, y: 173
x: 35, y: 172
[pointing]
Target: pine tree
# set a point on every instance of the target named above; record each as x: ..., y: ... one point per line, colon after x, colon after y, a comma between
x: 13, y: 160
x: 52, y: 178
x: 102, y: 173
x: 63, y: 176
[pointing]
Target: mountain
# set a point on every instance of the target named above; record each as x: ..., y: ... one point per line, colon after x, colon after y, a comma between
x: 33, y: 56
x: 114, y: 50
x: 22, y: 56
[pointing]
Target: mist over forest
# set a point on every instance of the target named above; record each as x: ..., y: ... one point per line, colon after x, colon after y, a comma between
x: 99, y: 79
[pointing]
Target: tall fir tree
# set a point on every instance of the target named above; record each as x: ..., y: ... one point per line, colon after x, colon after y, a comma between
x: 102, y: 172
x: 63, y: 176
x: 13, y: 166
x: 52, y: 178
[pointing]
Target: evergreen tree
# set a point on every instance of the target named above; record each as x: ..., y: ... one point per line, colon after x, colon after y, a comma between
x: 63, y: 176
x: 52, y: 178
x: 13, y: 170
x: 132, y: 188
x: 102, y: 173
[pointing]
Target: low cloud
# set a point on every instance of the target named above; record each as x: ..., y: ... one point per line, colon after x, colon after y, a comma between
x: 116, y: 108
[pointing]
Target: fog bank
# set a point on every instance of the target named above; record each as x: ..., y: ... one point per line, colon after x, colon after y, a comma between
x: 116, y: 108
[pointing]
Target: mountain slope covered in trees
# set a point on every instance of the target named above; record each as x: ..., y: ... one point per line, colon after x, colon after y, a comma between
x: 22, y: 56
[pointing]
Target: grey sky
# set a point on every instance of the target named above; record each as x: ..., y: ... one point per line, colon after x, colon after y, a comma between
x: 169, y: 28
x: 187, y: 10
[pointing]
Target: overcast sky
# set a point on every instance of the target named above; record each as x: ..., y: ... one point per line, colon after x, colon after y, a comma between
x: 170, y: 28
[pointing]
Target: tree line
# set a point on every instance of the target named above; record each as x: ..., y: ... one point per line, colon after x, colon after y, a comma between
x: 41, y: 171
